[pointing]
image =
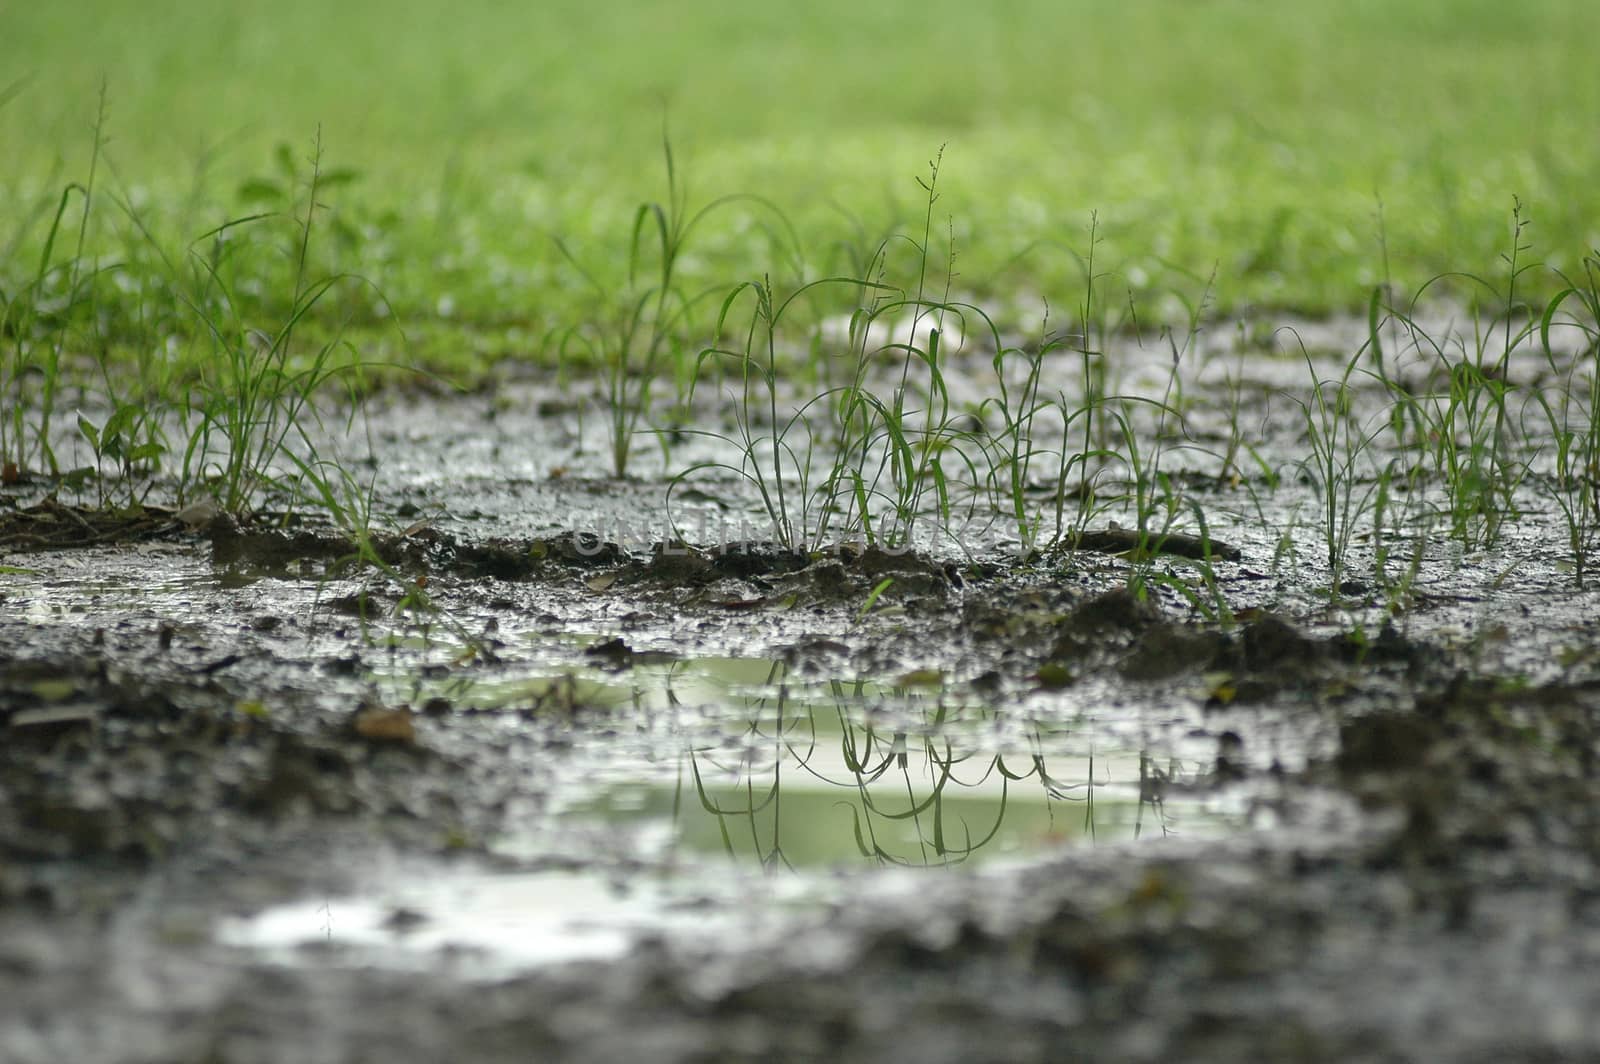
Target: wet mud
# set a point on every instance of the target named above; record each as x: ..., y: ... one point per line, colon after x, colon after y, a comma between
x: 501, y: 782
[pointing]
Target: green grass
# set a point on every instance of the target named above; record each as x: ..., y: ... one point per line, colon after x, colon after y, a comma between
x: 1253, y: 138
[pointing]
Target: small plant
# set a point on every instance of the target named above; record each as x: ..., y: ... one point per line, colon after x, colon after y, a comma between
x: 1340, y: 466
x: 1013, y: 452
x: 777, y: 458
x: 1199, y: 586
x: 1464, y: 433
x: 1230, y: 470
x: 894, y: 446
x: 255, y: 405
x: 277, y: 193
x: 1573, y: 416
x: 37, y: 321
x: 644, y: 321
x: 865, y: 458
x: 130, y: 439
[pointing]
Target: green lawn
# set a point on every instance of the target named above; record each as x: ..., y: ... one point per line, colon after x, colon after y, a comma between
x: 1251, y: 137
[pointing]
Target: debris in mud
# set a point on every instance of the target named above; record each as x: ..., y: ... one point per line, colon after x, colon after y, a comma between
x: 48, y: 725
x: 1131, y: 541
x: 384, y: 725
x: 53, y: 525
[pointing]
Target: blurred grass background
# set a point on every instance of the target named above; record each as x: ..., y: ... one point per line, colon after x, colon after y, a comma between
x: 1252, y: 138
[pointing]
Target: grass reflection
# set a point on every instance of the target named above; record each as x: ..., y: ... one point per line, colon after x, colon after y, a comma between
x: 747, y: 759
x: 898, y: 775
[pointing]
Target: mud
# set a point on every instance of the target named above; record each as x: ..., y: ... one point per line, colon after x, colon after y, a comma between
x: 527, y: 775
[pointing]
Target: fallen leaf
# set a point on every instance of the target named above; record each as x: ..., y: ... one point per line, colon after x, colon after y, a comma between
x: 923, y: 678
x: 1054, y: 674
x: 385, y: 725
x: 54, y: 719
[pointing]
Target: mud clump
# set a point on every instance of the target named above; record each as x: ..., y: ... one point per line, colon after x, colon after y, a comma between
x: 273, y: 548
x: 578, y: 550
x: 494, y: 560
x: 676, y: 563
x: 1119, y: 611
x: 1265, y: 657
x: 1272, y: 643
x: 1166, y: 650
x: 824, y: 577
x: 1104, y: 622
x: 748, y: 561
x: 616, y: 655
x: 1384, y: 742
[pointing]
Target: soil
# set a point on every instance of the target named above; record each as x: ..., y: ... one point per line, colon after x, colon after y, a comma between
x: 534, y: 778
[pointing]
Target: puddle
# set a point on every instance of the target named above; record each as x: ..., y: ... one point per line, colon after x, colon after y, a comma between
x: 492, y: 924
x: 907, y: 809
x: 740, y: 792
x: 745, y: 760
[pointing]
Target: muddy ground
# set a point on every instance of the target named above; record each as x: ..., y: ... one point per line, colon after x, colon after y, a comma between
x: 550, y: 785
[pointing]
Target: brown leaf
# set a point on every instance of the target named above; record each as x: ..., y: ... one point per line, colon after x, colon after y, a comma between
x: 384, y: 725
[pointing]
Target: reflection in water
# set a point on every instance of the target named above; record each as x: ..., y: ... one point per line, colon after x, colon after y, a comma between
x: 903, y: 775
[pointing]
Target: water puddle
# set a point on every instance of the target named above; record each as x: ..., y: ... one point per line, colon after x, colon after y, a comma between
x: 738, y: 791
x: 492, y: 924
x: 910, y: 808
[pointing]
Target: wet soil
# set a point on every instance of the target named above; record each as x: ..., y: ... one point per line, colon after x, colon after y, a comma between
x: 528, y: 776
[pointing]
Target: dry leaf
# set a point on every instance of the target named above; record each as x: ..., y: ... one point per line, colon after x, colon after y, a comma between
x: 385, y: 725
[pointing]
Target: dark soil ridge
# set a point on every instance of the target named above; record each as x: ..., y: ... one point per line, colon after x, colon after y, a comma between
x: 54, y: 525
x: 1267, y: 651
x: 427, y: 550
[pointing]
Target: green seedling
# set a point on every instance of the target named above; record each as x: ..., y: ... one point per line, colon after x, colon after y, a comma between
x: 1572, y: 415
x: 1340, y: 466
